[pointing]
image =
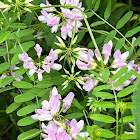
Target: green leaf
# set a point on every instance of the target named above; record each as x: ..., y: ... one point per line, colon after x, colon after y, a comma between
x: 127, y: 119
x: 89, y: 3
x: 132, y: 32
x: 74, y: 115
x: 26, y: 110
x: 29, y: 134
x: 96, y: 5
x: 107, y: 12
x: 89, y: 14
x: 4, y: 36
x: 2, y: 52
x: 124, y: 19
x: 20, y: 72
x: 18, y: 25
x: 21, y: 33
x: 128, y: 137
x: 77, y: 104
x: 97, y: 23
x: 110, y: 36
x: 102, y: 118
x: 137, y: 41
x: 4, y: 66
x: 102, y: 87
x: 26, y: 46
x: 6, y: 81
x: 24, y: 97
x: 103, y: 95
x: 80, y: 36
x: 6, y: 88
x: 119, y: 73
x: 107, y: 134
x: 22, y: 84
x: 58, y: 80
x: 104, y: 104
x: 136, y: 107
x: 45, y: 83
x: 126, y: 91
x: 79, y: 137
x: 119, y: 44
x: 15, y: 59
x: 12, y: 107
x: 106, y: 74
x: 26, y: 121
x: 123, y: 79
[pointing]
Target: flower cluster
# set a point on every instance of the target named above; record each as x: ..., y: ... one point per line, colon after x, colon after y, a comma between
x: 68, y: 53
x: 70, y: 17
x: 17, y: 6
x: 47, y: 64
x: 89, y: 63
x: 58, y: 128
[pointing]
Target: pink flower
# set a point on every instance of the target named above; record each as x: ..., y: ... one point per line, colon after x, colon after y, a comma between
x: 48, y: 62
x: 120, y: 59
x: 97, y: 55
x: 24, y: 57
x: 40, y: 77
x: 38, y: 50
x: 88, y: 58
x: 50, y: 19
x: 76, y: 127
x: 51, y: 9
x: 70, y: 2
x: 89, y: 84
x: 49, y: 109
x: 67, y: 101
x: 107, y: 51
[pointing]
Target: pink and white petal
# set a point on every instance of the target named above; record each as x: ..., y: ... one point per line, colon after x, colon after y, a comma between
x: 56, y: 66
x: 81, y: 65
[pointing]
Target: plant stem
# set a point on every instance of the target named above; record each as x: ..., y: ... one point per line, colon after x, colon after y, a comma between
x: 73, y: 34
x: 86, y: 117
x: 121, y: 131
x: 117, y: 115
x: 38, y: 108
x: 8, y: 56
x: 113, y: 28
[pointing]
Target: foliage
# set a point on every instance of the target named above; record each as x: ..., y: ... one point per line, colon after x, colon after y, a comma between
x: 98, y: 59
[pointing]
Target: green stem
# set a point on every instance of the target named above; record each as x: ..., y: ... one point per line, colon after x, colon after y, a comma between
x: 86, y: 117
x: 21, y: 47
x: 117, y: 115
x: 121, y: 131
x: 8, y: 57
x: 113, y: 28
x: 39, y: 121
x: 103, y: 33
x: 73, y: 34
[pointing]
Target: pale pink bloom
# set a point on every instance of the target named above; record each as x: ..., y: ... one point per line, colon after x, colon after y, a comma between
x: 67, y: 101
x: 48, y: 62
x: 24, y: 57
x: 89, y: 84
x: 107, y: 51
x: 76, y: 127
x: 49, y: 109
x: 63, y: 136
x: 120, y: 59
x: 51, y: 9
x: 70, y: 2
x: 39, y: 72
x: 97, y: 55
x: 38, y: 49
x: 50, y: 19
x: 88, y: 58
x: 133, y: 40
